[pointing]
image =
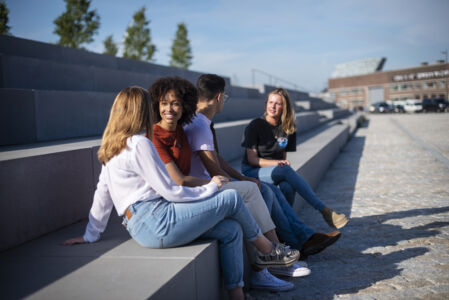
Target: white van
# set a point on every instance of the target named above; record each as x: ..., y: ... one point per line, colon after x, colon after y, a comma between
x: 413, y: 105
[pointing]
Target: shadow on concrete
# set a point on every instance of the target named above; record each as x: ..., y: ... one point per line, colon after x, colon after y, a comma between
x: 369, y: 251
x: 339, y: 190
x: 34, y: 265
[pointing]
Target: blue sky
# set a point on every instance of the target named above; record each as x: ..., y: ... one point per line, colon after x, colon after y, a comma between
x: 298, y: 41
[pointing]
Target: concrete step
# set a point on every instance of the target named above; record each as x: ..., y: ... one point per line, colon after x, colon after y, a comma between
x: 31, y: 116
x: 13, y: 46
x: 114, y: 268
x: 31, y: 73
x: 45, y: 187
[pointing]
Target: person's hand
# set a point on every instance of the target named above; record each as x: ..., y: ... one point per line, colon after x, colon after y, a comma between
x: 255, y: 180
x: 220, y: 180
x: 282, y: 163
x: 73, y: 241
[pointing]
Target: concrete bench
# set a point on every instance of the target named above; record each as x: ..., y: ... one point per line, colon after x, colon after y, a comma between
x: 116, y: 266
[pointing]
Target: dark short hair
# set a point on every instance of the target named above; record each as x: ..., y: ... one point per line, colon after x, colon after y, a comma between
x: 183, y: 89
x: 209, y: 85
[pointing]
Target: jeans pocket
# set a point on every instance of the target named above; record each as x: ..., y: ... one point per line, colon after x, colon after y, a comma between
x: 143, y: 233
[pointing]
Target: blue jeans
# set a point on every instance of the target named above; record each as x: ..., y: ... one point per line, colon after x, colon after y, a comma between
x: 163, y: 224
x: 289, y: 227
x: 285, y: 175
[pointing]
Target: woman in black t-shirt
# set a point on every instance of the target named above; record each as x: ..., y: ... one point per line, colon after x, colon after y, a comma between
x: 267, y: 140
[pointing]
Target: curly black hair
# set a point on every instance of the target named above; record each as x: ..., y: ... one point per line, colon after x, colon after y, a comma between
x: 183, y: 89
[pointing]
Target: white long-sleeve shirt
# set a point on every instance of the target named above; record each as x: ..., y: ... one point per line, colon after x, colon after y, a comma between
x: 136, y: 174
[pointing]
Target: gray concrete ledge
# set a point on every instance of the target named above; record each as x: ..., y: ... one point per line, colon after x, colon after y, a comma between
x: 13, y: 46
x: 114, y: 268
x: 30, y: 116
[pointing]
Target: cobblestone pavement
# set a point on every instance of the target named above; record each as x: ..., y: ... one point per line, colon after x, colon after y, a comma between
x: 392, y: 178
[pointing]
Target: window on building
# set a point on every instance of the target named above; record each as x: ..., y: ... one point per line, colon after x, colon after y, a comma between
x: 417, y: 97
x: 442, y: 96
x: 425, y: 96
x: 433, y: 96
x: 404, y: 86
x: 430, y: 84
x: 417, y: 85
x: 442, y: 84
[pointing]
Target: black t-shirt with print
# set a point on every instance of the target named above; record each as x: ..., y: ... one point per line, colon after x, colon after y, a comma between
x: 269, y: 141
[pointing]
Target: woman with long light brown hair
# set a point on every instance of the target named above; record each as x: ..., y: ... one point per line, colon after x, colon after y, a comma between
x: 160, y: 214
x: 267, y: 140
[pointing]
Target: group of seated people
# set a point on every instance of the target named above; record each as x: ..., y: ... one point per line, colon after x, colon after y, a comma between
x: 162, y: 171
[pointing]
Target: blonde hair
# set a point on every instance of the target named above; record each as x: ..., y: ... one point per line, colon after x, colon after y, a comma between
x: 288, y: 113
x: 130, y: 114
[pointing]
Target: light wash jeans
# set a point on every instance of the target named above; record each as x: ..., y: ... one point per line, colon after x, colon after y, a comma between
x: 163, y: 224
x: 285, y: 175
x: 290, y: 229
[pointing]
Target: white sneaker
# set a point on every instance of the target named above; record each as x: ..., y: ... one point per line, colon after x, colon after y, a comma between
x: 263, y: 280
x: 298, y: 269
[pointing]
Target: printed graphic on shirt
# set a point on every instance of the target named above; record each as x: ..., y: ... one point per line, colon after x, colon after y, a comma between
x: 282, y: 141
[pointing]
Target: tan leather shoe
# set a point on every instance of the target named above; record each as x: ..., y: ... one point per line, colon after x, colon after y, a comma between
x: 334, y: 219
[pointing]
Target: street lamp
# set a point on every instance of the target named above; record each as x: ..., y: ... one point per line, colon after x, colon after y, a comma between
x: 446, y: 77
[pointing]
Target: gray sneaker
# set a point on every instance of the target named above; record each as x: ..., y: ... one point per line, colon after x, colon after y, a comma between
x: 280, y: 256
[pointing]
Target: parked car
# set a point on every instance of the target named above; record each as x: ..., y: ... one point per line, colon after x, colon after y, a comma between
x: 435, y: 104
x: 381, y: 107
x: 413, y: 105
x: 399, y: 108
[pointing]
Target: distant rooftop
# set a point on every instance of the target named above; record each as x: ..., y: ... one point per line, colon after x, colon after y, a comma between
x: 359, y: 67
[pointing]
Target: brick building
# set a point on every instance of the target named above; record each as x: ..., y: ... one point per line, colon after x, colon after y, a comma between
x: 359, y: 84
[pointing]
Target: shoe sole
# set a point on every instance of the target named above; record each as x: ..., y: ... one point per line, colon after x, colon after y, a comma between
x: 273, y: 288
x: 279, y: 272
x: 318, y: 248
x: 279, y: 264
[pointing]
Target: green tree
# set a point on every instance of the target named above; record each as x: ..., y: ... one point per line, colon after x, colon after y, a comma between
x: 110, y: 47
x: 181, y: 53
x: 137, y: 38
x: 77, y: 25
x: 4, y: 11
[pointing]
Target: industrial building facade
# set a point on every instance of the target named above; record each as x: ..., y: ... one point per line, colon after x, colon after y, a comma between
x: 422, y: 82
